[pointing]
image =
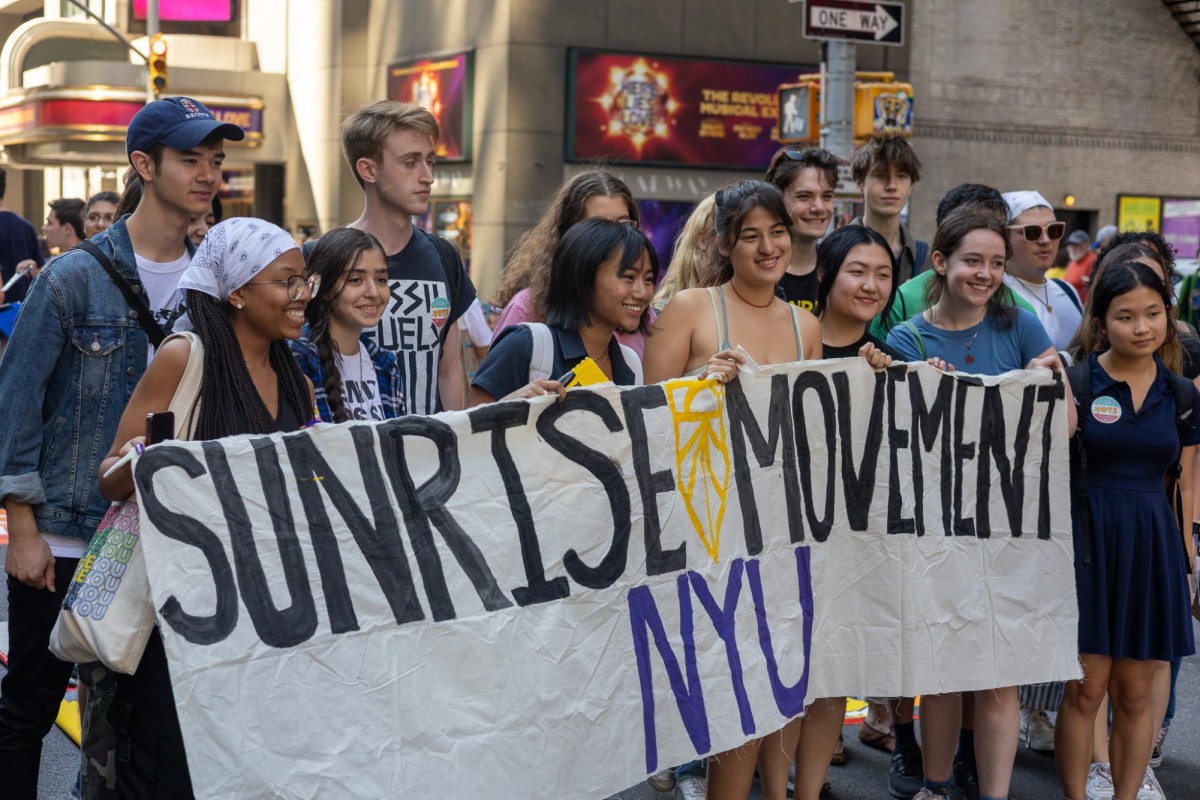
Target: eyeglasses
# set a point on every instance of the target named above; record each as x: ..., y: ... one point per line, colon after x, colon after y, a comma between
x: 296, y: 284
x: 109, y: 218
x: 1032, y: 233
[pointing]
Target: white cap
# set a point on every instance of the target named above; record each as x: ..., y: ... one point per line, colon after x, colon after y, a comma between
x: 1020, y: 202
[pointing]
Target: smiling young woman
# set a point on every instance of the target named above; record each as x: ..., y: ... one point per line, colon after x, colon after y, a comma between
x: 971, y: 326
x: 354, y: 377
x: 696, y: 335
x: 245, y: 294
x: 601, y: 282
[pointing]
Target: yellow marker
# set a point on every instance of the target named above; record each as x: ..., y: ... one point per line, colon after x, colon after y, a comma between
x: 587, y: 373
x: 701, y: 454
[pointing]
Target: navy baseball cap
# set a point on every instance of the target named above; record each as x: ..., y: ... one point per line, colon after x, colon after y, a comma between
x: 178, y: 122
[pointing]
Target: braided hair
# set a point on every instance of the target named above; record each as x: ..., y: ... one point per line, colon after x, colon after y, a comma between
x: 335, y: 254
x: 229, y: 402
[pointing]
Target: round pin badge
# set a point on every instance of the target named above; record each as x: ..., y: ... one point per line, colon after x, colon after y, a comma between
x: 1106, y: 410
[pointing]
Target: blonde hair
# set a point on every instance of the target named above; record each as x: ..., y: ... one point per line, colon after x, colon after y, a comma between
x: 365, y: 131
x: 691, y: 264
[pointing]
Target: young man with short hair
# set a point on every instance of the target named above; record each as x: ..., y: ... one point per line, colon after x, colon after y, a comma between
x: 76, y: 354
x: 18, y: 246
x: 807, y: 178
x: 885, y: 169
x: 1034, y: 233
x: 63, y: 227
x: 390, y: 149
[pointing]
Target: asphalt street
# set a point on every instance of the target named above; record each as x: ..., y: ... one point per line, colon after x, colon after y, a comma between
x: 863, y: 777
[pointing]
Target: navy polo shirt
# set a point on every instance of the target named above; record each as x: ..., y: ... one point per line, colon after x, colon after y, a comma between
x: 506, y: 367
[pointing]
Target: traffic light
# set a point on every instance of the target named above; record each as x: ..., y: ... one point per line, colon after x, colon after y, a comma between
x: 158, y: 64
x: 798, y: 112
x: 882, y: 107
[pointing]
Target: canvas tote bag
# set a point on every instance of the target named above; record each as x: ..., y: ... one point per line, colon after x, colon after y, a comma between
x: 107, y: 615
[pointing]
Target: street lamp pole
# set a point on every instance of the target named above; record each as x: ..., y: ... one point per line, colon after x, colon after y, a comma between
x: 151, y: 32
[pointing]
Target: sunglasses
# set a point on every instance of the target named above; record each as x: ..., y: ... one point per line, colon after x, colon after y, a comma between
x: 1054, y: 231
x: 296, y: 285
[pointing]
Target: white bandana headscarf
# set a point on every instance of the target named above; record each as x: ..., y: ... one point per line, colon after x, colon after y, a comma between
x: 1020, y: 202
x: 233, y: 252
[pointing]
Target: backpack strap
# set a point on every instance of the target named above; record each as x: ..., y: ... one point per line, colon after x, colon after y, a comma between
x: 450, y: 265
x: 1069, y: 291
x: 634, y: 363
x: 916, y: 332
x: 145, y: 319
x: 922, y: 253
x: 541, y: 360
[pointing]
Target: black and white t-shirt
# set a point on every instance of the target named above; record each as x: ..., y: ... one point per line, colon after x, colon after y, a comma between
x: 800, y: 290
x: 416, y: 319
x: 161, y: 281
x: 360, y: 386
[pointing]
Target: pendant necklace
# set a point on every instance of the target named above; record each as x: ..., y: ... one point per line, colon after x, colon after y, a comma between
x: 971, y: 358
x: 1046, y: 302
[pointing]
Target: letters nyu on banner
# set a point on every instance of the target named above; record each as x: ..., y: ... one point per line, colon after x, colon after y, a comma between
x: 556, y: 598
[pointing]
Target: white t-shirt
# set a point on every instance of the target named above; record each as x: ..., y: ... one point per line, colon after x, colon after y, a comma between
x: 360, y: 386
x: 161, y: 281
x: 1057, y: 310
x: 476, y: 325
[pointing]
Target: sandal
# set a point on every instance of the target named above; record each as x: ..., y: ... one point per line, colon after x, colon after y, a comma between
x: 872, y: 736
x: 839, y: 752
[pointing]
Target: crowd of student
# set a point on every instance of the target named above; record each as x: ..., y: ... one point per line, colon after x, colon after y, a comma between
x: 362, y: 324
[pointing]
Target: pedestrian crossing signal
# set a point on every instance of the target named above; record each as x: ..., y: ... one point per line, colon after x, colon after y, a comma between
x: 158, y: 64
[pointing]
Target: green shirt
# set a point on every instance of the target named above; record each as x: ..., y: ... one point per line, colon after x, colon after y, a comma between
x: 910, y: 301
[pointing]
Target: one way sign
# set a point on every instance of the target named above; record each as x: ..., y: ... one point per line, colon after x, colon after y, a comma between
x: 851, y: 20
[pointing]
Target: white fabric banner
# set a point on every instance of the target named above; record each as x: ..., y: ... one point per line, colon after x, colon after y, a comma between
x: 557, y: 598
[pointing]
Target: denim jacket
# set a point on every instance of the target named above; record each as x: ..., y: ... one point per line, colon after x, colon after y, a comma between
x: 72, y: 362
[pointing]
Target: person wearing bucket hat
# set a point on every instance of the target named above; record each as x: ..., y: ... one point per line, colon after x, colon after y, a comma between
x: 78, y: 349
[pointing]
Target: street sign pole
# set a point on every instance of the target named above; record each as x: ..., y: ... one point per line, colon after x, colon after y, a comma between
x: 837, y: 130
x: 151, y: 32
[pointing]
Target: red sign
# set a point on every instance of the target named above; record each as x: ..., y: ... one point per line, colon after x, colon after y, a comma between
x: 59, y: 114
x: 643, y: 109
x: 443, y: 86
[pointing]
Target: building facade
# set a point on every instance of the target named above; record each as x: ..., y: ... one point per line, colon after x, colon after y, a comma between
x: 1090, y: 102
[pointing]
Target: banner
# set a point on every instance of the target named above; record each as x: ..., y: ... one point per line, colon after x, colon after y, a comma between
x: 571, y: 595
x: 441, y: 85
x: 643, y: 109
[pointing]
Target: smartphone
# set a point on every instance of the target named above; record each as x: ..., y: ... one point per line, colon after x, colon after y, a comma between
x: 160, y: 427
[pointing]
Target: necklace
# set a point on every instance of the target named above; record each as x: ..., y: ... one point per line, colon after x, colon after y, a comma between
x: 1034, y: 295
x: 970, y: 357
x: 733, y: 286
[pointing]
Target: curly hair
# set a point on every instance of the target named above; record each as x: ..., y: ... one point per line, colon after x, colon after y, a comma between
x: 529, y: 263
x: 335, y: 254
x: 1155, y: 241
x: 229, y: 403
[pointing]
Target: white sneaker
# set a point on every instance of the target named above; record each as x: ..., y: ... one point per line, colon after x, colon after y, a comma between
x: 1150, y: 788
x: 1099, y: 782
x: 662, y: 781
x: 1156, y: 755
x: 926, y: 794
x: 691, y: 788
x: 1037, y: 731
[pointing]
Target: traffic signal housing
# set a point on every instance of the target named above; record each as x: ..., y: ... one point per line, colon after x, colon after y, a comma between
x: 158, y: 64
